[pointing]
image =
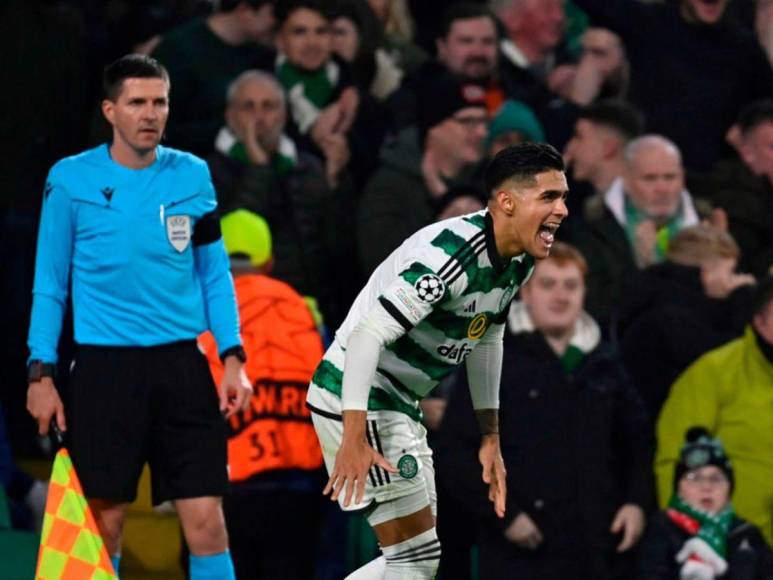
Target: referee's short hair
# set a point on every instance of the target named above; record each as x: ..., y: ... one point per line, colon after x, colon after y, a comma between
x: 131, y: 66
x: 521, y: 163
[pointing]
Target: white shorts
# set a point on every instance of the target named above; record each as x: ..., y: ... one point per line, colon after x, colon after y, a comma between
x: 403, y: 443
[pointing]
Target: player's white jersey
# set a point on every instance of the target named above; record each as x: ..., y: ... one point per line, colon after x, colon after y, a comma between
x: 446, y: 285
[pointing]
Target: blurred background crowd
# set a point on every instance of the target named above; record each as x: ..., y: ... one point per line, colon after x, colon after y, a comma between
x: 347, y: 125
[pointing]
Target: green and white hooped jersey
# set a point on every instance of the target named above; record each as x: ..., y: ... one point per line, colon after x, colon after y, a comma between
x: 445, y: 285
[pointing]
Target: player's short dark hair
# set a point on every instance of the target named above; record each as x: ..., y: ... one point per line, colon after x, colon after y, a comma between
x: 755, y: 114
x: 617, y: 115
x: 283, y: 10
x: 229, y: 5
x: 763, y: 295
x: 131, y: 66
x: 521, y: 162
x: 463, y: 11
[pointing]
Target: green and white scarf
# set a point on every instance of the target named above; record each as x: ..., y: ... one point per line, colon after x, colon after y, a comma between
x: 307, y: 92
x: 633, y: 217
x: 283, y: 160
x: 711, y: 528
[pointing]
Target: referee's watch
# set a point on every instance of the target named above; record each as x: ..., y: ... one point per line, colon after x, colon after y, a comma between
x: 37, y: 369
x: 237, y: 351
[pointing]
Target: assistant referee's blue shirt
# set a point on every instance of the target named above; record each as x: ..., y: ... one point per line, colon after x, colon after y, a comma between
x: 142, y: 250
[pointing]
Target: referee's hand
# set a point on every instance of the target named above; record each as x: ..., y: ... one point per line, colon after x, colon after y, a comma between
x: 43, y: 403
x: 235, y: 389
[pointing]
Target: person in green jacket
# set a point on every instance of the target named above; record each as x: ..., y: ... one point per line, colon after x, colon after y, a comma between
x: 730, y: 391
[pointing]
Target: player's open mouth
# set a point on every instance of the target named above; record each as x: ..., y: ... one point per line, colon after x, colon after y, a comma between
x: 547, y: 233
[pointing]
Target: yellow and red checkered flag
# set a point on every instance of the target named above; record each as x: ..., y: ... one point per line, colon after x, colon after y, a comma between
x: 70, y: 545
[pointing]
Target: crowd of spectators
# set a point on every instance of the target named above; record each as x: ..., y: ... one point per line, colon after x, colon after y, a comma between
x: 350, y: 124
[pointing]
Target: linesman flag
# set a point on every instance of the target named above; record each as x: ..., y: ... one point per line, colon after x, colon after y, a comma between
x: 70, y: 545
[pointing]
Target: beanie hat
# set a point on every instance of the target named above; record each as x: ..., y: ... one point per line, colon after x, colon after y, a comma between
x: 700, y: 450
x: 440, y: 97
x: 515, y: 116
x: 247, y: 233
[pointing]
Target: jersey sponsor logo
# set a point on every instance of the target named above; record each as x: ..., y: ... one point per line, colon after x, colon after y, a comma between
x: 408, y: 466
x: 430, y: 288
x: 178, y: 231
x: 454, y: 352
x: 477, y: 327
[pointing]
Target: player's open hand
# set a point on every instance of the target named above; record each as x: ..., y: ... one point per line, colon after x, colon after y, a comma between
x: 353, y: 460
x: 494, y: 473
x: 235, y: 388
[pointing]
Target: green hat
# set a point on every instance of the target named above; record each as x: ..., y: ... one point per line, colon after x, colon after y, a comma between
x: 247, y: 233
x: 515, y: 116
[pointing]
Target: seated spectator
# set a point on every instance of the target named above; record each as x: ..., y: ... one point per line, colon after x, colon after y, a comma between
x: 699, y: 536
x: 675, y: 311
x: 596, y: 150
x: 202, y: 57
x: 256, y: 166
x: 691, y: 70
x: 273, y: 510
x: 400, y: 197
x: 467, y: 49
x: 643, y: 210
x: 743, y: 188
x: 574, y: 441
x: 514, y: 123
x: 729, y: 391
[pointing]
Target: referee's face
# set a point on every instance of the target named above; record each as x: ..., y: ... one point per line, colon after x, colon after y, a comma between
x: 139, y: 113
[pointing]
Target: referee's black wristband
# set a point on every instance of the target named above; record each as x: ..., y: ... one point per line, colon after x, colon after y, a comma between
x: 237, y: 351
x: 37, y: 369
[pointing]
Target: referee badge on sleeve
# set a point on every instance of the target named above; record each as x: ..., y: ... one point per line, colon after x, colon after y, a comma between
x: 178, y: 231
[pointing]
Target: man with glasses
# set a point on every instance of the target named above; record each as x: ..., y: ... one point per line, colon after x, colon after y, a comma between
x: 402, y: 196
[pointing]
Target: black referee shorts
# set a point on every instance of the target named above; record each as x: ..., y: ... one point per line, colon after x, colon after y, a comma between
x: 132, y: 405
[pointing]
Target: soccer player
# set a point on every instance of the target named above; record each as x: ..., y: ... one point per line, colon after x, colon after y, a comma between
x: 438, y: 300
x: 132, y: 227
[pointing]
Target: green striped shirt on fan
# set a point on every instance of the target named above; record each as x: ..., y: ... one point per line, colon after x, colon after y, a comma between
x: 446, y: 285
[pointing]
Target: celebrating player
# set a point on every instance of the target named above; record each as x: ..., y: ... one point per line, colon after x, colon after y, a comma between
x: 439, y: 300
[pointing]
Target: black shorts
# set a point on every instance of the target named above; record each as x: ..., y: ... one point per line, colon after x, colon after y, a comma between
x: 132, y: 405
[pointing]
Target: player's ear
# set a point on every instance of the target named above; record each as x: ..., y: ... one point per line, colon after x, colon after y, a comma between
x: 108, y: 110
x: 506, y: 201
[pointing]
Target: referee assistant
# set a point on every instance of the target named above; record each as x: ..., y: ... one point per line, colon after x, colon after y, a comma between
x: 131, y: 226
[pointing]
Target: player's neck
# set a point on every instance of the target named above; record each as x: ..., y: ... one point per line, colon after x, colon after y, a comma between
x: 131, y: 158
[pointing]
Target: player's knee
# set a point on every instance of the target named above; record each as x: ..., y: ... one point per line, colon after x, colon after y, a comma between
x: 415, y: 559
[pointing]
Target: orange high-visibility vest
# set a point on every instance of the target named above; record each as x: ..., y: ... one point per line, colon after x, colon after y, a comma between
x: 283, y: 348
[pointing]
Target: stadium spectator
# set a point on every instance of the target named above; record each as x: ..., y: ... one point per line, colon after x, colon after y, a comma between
x: 398, y: 26
x: 273, y: 508
x: 675, y: 311
x: 132, y: 227
x: 699, y: 536
x: 595, y: 152
x: 202, y: 57
x: 728, y: 390
x: 574, y: 440
x: 532, y: 48
x: 743, y: 188
x: 400, y: 198
x: 602, y: 71
x: 466, y: 48
x: 514, y: 123
x: 642, y: 211
x: 257, y: 166
x: 691, y: 71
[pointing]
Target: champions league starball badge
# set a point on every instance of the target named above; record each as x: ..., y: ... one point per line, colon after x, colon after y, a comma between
x: 430, y: 288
